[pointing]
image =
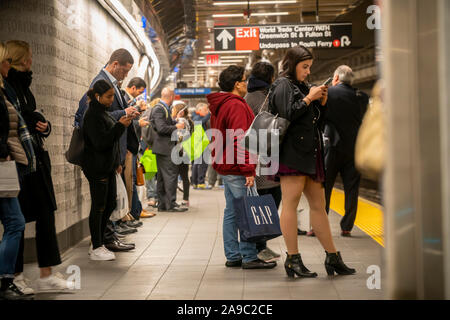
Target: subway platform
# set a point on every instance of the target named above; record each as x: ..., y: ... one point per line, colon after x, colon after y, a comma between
x: 180, y: 256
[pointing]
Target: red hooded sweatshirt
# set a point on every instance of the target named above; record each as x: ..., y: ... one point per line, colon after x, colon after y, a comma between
x: 231, y: 113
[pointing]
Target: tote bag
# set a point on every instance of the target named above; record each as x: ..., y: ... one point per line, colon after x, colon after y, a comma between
x: 9, y: 180
x: 196, y: 144
x: 74, y: 154
x: 257, y: 217
x: 122, y: 208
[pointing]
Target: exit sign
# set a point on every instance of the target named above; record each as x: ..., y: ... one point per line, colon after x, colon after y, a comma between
x: 212, y: 59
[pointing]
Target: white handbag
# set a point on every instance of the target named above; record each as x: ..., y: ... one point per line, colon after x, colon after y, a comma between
x: 122, y: 200
x: 9, y: 180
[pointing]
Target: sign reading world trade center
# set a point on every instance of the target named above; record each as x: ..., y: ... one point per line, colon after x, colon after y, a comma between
x: 256, y: 37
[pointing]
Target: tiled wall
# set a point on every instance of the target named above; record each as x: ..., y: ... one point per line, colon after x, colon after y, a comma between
x: 71, y: 41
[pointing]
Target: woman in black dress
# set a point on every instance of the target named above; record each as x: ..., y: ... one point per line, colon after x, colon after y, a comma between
x: 301, y: 167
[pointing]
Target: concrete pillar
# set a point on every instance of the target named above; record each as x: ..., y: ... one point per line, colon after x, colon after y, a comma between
x: 413, y: 189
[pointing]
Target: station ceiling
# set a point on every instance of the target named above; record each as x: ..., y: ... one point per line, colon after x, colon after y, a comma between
x: 210, y: 13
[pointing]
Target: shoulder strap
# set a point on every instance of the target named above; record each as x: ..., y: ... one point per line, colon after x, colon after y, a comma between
x: 165, y: 109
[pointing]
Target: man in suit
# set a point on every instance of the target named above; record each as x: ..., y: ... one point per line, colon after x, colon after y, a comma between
x: 167, y: 175
x: 135, y: 88
x: 345, y: 109
x: 117, y: 68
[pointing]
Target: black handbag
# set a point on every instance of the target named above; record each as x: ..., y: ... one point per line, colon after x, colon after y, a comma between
x: 265, y: 130
x: 74, y: 154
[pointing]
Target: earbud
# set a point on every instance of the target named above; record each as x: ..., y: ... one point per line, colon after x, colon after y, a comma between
x: 98, y: 99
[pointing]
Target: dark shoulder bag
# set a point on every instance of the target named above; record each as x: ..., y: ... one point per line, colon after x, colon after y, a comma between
x: 274, y: 126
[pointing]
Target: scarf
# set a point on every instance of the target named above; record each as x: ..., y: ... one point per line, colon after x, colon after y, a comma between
x: 27, y: 143
x: 21, y: 82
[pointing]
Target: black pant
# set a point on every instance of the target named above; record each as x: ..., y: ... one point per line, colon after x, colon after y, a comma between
x: 103, y: 202
x: 276, y: 194
x: 343, y: 163
x: 46, y: 240
x: 183, y: 171
x: 166, y: 184
x: 199, y: 173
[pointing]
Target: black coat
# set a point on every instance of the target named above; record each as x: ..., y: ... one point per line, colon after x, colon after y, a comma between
x: 36, y: 189
x: 101, y: 137
x: 164, y: 126
x: 345, y: 110
x: 117, y: 110
x: 303, y: 139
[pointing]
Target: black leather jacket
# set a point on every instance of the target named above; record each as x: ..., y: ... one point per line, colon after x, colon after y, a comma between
x: 303, y: 139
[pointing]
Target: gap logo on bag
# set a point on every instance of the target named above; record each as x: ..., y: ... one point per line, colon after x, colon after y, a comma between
x: 261, y: 216
x: 257, y: 217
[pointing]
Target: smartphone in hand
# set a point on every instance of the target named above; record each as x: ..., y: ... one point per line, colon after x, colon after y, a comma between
x: 328, y: 81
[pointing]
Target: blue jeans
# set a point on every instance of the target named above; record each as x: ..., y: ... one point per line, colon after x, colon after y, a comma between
x: 235, y: 249
x: 136, y: 206
x: 14, y: 225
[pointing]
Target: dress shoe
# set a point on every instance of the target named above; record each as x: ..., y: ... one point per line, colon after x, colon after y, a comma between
x: 346, y: 234
x: 122, y: 228
x: 258, y: 264
x: 119, y: 236
x: 147, y: 214
x: 233, y: 264
x: 134, y: 223
x: 301, y: 232
x: 117, y: 246
x: 179, y: 209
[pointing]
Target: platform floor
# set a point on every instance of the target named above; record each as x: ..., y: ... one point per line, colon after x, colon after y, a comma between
x: 180, y: 256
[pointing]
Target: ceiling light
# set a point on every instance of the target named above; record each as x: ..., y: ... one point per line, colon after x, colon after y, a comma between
x: 256, y: 14
x: 207, y: 47
x: 238, y: 3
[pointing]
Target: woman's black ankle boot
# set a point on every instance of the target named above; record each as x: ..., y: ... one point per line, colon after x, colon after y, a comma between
x: 334, y: 263
x: 294, y: 266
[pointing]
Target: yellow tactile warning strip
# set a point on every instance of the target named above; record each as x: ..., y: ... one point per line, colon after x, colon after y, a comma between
x: 369, y: 217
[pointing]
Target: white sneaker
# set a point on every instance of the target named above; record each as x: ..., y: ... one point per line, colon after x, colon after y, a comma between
x: 90, y: 249
x: 54, y: 283
x: 102, y: 254
x: 23, y: 284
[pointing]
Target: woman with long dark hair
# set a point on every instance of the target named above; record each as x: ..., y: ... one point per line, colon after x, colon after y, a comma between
x: 101, y: 161
x: 36, y: 197
x: 301, y: 167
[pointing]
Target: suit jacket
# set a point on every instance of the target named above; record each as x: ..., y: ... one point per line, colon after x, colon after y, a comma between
x: 164, y: 126
x: 117, y: 110
x: 345, y: 110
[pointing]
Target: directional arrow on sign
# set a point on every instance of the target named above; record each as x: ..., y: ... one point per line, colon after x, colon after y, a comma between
x: 224, y: 37
x: 345, y: 41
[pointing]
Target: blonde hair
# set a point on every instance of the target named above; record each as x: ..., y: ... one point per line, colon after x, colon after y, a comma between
x: 3, y: 57
x: 154, y: 102
x: 177, y: 108
x: 19, y: 52
x: 200, y: 105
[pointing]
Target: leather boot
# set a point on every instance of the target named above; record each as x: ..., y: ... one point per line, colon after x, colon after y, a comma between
x: 294, y: 266
x: 334, y: 263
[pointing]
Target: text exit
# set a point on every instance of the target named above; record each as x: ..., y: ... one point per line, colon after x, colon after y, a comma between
x: 247, y: 38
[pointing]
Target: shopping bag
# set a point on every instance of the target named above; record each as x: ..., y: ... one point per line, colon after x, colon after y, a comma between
x: 122, y: 208
x: 257, y: 217
x: 148, y: 160
x: 9, y: 180
x: 196, y: 144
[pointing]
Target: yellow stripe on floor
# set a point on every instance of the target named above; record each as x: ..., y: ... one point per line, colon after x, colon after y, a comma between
x: 369, y: 217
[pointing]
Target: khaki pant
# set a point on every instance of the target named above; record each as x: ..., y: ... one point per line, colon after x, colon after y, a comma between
x: 128, y: 176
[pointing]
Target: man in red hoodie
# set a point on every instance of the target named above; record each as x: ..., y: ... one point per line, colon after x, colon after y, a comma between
x: 232, y: 116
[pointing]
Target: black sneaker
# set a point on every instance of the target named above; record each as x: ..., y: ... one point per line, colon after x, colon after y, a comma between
x: 134, y: 224
x: 301, y: 232
x: 233, y: 264
x: 12, y: 292
x: 258, y: 264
